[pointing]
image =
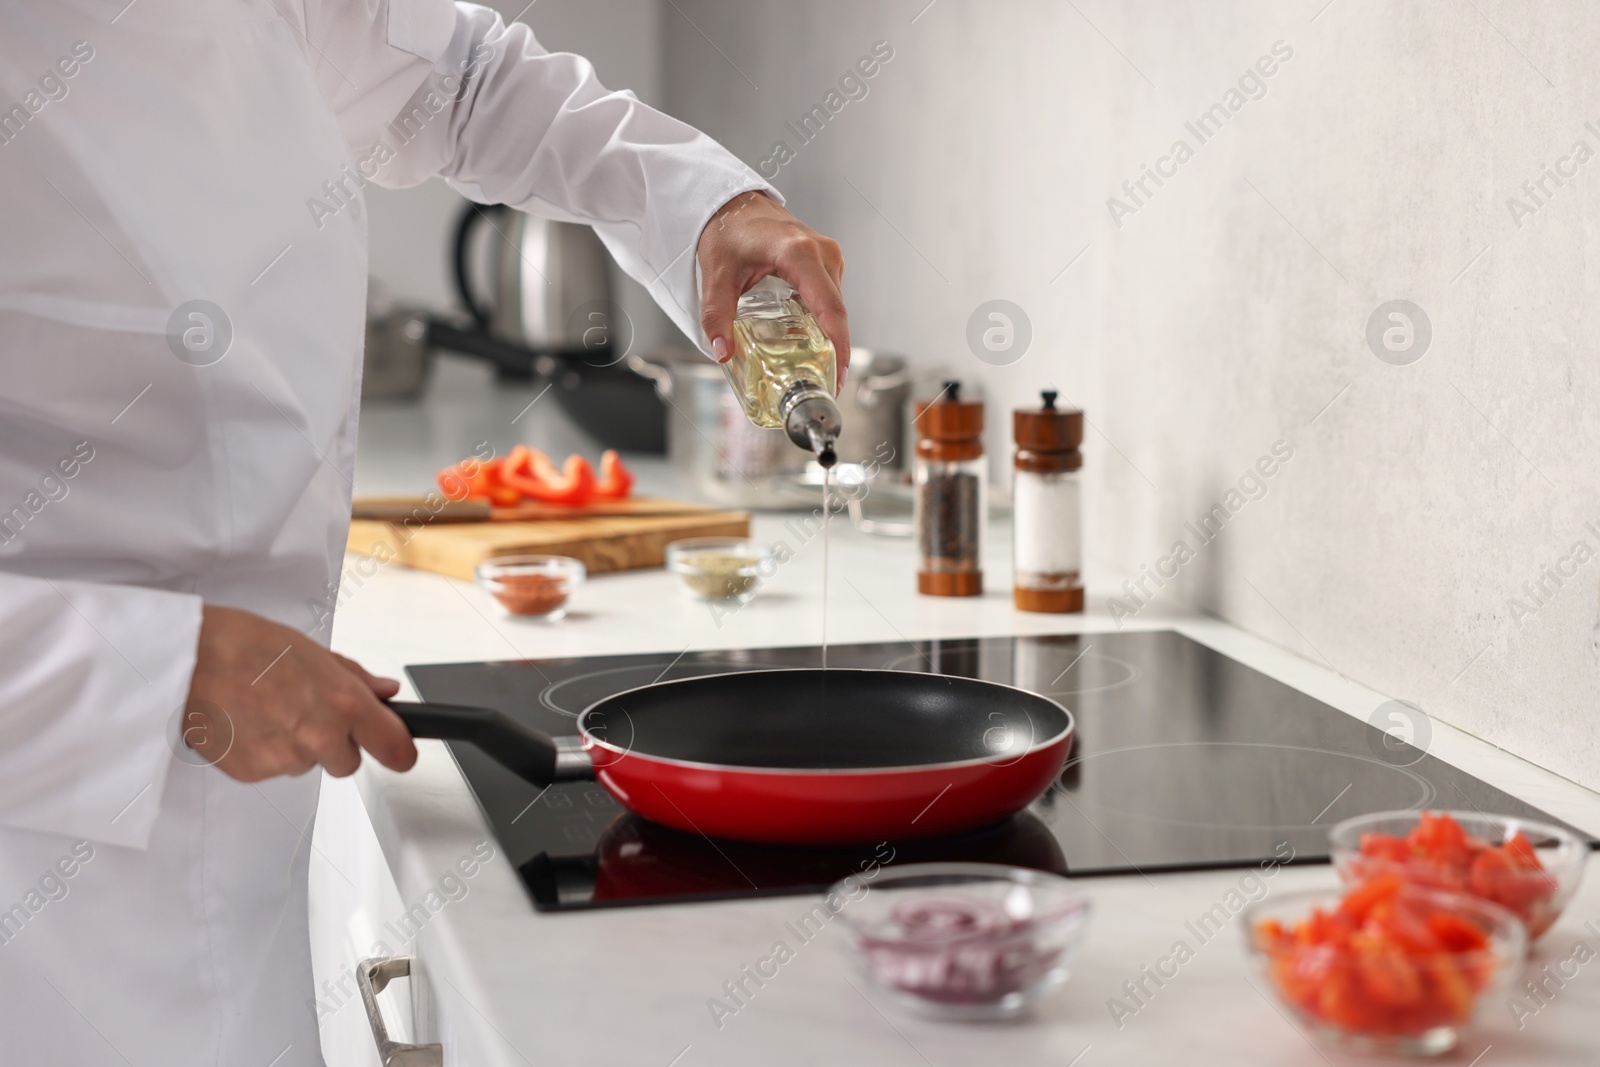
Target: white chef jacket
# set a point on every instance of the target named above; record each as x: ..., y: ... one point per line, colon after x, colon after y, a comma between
x: 152, y: 155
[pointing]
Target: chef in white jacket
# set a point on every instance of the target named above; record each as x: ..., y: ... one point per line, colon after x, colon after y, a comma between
x: 183, y: 266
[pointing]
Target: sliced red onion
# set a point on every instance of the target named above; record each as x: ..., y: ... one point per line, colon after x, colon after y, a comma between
x: 958, y: 950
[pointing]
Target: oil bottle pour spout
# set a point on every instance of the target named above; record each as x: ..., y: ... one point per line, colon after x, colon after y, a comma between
x: 812, y: 421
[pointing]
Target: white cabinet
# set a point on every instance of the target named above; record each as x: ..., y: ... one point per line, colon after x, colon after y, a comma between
x: 356, y: 915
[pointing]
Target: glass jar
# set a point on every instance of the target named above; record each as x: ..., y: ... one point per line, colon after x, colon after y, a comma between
x: 1047, y: 521
x: 951, y: 495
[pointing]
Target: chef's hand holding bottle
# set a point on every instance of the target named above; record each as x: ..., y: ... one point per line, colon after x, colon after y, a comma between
x: 752, y: 237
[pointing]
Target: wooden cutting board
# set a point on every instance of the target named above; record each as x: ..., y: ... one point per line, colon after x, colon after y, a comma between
x: 401, y: 508
x: 603, y: 543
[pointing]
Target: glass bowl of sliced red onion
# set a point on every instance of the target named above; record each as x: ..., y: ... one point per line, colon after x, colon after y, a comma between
x: 966, y: 941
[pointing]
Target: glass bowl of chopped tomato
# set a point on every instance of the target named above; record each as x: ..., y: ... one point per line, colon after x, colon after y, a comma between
x: 1385, y: 966
x: 1530, y: 868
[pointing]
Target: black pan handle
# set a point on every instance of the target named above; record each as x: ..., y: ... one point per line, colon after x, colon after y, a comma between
x: 533, y: 755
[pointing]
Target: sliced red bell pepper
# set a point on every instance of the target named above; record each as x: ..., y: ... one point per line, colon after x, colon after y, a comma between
x: 542, y: 466
x: 531, y: 473
x: 475, y: 479
x: 616, y: 481
x: 454, y: 483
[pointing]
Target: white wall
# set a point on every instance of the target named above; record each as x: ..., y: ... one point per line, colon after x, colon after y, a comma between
x: 1229, y: 310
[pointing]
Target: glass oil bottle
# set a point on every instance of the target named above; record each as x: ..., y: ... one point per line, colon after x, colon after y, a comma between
x: 783, y: 369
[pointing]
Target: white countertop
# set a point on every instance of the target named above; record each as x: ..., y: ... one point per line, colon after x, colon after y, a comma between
x: 630, y: 985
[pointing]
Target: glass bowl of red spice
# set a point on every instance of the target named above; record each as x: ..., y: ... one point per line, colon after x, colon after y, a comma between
x: 532, y: 586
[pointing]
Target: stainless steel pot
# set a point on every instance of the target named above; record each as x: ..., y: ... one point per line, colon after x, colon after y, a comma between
x: 720, y: 454
x: 715, y: 450
x: 873, y: 404
x: 397, y: 356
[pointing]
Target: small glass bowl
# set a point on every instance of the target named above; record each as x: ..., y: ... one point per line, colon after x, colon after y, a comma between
x: 963, y: 941
x: 532, y: 586
x: 720, y: 568
x: 1535, y: 897
x: 1331, y: 1001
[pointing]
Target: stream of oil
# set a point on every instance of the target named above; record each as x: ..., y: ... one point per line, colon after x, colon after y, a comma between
x: 827, y: 478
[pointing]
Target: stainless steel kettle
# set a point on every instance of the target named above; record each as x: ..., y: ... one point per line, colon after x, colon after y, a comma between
x: 548, y: 284
x: 543, y: 309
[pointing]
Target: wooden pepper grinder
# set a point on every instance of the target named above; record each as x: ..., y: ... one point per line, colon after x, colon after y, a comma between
x: 1046, y: 523
x: 951, y: 503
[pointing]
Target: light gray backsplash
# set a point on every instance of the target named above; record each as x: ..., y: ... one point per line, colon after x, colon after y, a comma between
x: 1229, y: 311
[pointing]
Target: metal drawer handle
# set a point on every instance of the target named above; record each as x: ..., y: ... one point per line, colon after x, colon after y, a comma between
x: 372, y: 977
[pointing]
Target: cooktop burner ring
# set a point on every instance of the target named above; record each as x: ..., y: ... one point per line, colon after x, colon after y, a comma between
x: 1130, y: 675
x: 650, y: 673
x: 917, y: 661
x: 1426, y: 789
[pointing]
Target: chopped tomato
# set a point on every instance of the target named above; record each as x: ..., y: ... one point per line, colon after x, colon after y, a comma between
x: 1455, y: 933
x: 1441, y: 839
x: 1524, y: 892
x: 1439, y: 853
x: 1383, y: 886
x: 1488, y: 871
x: 1386, y: 970
x: 616, y: 481
x: 1404, y: 927
x: 1384, y: 962
x: 1386, y: 847
x: 1301, y: 973
x: 1521, y: 852
x: 1452, y: 987
x: 1270, y: 931
x: 1339, y: 1000
x: 1322, y: 927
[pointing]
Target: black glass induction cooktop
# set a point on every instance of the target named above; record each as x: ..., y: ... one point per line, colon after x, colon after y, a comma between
x: 1183, y: 759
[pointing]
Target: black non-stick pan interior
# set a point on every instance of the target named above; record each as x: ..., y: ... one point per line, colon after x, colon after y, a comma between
x: 826, y: 720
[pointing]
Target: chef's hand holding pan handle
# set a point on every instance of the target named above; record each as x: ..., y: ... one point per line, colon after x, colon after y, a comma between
x: 535, y: 756
x: 266, y: 700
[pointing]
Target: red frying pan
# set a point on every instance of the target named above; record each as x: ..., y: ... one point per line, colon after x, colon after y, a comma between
x: 806, y: 757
